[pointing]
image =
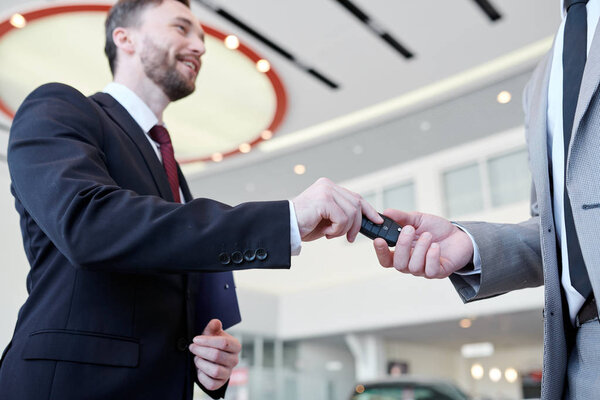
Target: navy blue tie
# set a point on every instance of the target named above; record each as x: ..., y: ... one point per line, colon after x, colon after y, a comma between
x: 574, y: 56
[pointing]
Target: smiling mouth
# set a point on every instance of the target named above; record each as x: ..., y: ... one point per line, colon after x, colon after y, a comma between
x: 192, y: 65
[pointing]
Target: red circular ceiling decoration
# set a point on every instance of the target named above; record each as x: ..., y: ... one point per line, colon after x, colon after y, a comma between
x: 235, y: 106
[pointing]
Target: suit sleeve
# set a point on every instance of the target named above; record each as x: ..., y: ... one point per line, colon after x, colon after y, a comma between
x: 510, y: 254
x: 60, y: 177
x: 510, y: 259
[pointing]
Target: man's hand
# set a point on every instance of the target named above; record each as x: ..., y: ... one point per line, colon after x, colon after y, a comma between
x: 216, y: 353
x: 326, y: 209
x: 428, y: 246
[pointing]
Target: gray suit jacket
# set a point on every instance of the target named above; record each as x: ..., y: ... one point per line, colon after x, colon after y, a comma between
x: 516, y: 256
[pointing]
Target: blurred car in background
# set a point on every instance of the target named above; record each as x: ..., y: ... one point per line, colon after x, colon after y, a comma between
x: 408, y: 388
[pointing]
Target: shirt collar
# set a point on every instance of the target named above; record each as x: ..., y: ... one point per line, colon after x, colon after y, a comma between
x: 135, y: 106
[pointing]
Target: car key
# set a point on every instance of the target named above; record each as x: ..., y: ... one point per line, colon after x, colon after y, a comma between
x: 388, y: 230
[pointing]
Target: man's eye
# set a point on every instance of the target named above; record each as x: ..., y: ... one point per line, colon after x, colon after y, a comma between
x: 181, y: 28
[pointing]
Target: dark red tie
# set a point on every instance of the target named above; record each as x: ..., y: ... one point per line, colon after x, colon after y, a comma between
x: 159, y: 134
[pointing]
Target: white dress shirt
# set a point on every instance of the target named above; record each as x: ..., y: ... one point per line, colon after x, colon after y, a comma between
x: 556, y: 146
x: 146, y: 119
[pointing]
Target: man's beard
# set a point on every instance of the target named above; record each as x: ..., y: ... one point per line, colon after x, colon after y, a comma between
x: 155, y: 61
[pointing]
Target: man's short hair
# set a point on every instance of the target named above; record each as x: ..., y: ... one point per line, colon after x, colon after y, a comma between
x: 125, y: 13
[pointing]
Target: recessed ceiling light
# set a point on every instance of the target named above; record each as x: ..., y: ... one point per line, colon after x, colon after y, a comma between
x: 263, y: 65
x: 495, y: 374
x: 465, y: 323
x: 504, y: 97
x: 18, y: 21
x: 245, y: 148
x: 425, y: 126
x: 232, y: 42
x: 217, y: 157
x: 477, y: 371
x: 266, y: 134
x: 511, y: 375
x: 299, y: 169
x: 358, y: 149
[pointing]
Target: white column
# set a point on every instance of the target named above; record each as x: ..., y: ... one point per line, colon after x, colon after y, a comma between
x: 369, y: 356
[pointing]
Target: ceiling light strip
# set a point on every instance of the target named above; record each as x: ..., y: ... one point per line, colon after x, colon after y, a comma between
x: 376, y: 28
x: 268, y: 42
x: 489, y: 9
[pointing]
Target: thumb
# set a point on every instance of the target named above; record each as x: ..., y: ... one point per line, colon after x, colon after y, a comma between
x: 214, y: 327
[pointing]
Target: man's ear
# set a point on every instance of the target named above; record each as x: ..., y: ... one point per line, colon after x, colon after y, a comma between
x: 124, y: 40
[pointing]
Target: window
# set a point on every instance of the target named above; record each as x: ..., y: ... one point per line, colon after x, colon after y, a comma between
x: 401, y: 197
x: 509, y: 177
x: 462, y: 189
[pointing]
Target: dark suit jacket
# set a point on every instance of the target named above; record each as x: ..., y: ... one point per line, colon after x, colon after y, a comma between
x: 121, y: 277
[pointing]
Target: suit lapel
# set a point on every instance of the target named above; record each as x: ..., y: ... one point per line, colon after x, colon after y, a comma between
x: 589, y: 83
x: 118, y: 114
x: 538, y: 131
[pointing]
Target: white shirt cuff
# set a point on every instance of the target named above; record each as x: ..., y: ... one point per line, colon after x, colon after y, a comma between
x: 295, y: 239
x: 476, y: 256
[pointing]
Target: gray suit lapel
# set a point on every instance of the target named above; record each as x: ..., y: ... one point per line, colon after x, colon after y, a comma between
x: 589, y: 84
x: 538, y: 131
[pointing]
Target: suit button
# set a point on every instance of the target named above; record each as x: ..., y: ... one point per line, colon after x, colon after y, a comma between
x: 182, y: 344
x: 261, y: 254
x: 224, y: 258
x: 249, y: 255
x: 237, y: 257
x: 226, y: 286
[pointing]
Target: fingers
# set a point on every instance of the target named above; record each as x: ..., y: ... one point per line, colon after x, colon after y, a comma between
x: 215, y: 355
x: 225, y: 343
x: 214, y: 327
x: 384, y: 255
x: 402, y: 217
x: 326, y: 209
x: 370, y: 212
x: 404, y: 248
x: 433, y: 266
x: 416, y: 264
x: 205, y: 379
x: 418, y: 256
x: 341, y: 212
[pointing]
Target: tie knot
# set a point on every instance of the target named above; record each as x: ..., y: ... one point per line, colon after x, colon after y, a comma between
x: 160, y: 134
x: 569, y: 3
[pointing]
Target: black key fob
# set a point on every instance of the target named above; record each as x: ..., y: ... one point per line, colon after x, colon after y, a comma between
x: 388, y: 231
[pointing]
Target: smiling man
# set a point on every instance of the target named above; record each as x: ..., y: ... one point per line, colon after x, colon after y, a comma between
x: 130, y: 287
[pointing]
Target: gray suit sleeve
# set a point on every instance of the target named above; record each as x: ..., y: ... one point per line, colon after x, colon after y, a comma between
x: 510, y: 253
x: 510, y: 259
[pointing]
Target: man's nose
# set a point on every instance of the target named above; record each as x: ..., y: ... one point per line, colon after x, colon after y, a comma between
x: 197, y: 46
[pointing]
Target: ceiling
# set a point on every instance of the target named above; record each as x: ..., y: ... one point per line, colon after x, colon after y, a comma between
x: 522, y: 328
x: 374, y: 119
x: 446, y: 39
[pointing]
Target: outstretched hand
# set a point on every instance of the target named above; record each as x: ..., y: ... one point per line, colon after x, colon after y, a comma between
x: 428, y: 246
x: 326, y: 209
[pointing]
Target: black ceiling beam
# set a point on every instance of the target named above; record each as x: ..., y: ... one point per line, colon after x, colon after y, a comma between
x: 376, y: 28
x: 269, y: 43
x: 488, y: 8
